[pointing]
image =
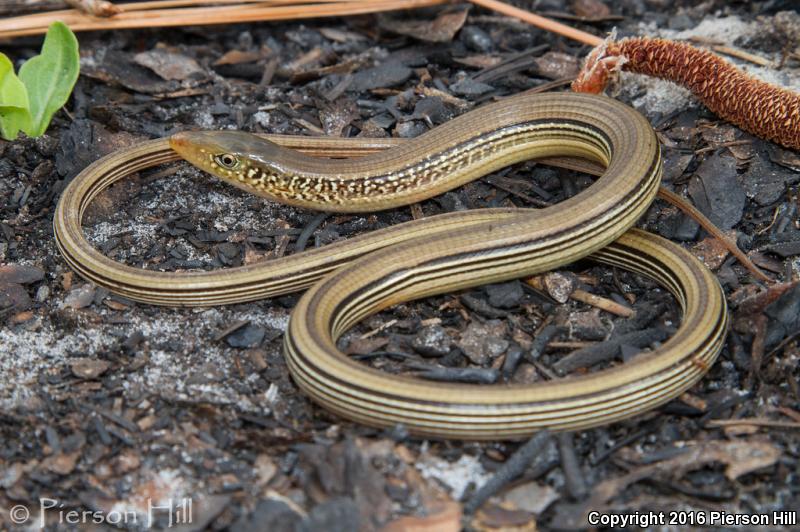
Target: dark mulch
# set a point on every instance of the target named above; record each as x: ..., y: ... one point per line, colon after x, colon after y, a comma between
x: 106, y: 404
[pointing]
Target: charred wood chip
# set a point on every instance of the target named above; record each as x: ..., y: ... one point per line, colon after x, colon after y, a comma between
x: 764, y: 182
x: 470, y: 87
x: 455, y: 358
x: 432, y: 110
x: 440, y: 29
x: 20, y: 274
x: 712, y: 251
x: 211, y: 235
x: 784, y: 157
x: 116, y: 67
x: 338, y: 514
x: 343, y: 470
x: 785, y: 244
x: 481, y: 306
x: 271, y: 514
x: 249, y: 71
x: 511, y: 469
x: 513, y: 358
x: 575, y: 481
x: 133, y: 341
x: 86, y: 141
x: 721, y: 403
x: 7, y: 168
x: 560, y: 285
x: 251, y: 335
x: 675, y: 163
x: 786, y: 309
x: 717, y: 192
x: 42, y: 172
x: 784, y: 316
x: 467, y: 375
x: 674, y: 224
x: 385, y: 75
x: 679, y: 408
x: 453, y: 201
x: 602, y: 352
x: 170, y: 65
x: 646, y: 312
x: 648, y: 428
x: 365, y: 347
x: 229, y: 252
x: 379, y: 122
x: 505, y: 295
x: 178, y: 227
x: 716, y: 490
x: 545, y: 336
x: 337, y: 115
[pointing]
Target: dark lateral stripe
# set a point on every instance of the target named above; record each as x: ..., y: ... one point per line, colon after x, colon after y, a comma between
x: 489, y: 414
x: 712, y: 347
x: 557, y: 241
x: 500, y: 135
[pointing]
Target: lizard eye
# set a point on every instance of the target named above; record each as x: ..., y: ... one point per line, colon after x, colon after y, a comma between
x: 226, y: 160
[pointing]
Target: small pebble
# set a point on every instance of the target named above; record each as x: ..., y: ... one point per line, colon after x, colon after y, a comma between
x: 432, y: 341
x: 410, y: 129
x: 88, y: 368
x: 79, y: 297
x: 560, y: 285
x: 476, y: 39
x: 250, y: 335
x: 42, y: 293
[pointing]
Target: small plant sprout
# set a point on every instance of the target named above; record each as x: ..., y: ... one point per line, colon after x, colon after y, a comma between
x: 29, y: 100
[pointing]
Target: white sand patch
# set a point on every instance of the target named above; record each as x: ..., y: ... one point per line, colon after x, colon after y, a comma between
x: 202, y: 369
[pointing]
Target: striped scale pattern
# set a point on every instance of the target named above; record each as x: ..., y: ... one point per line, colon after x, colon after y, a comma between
x: 437, y: 254
x: 336, y: 189
x: 499, y: 251
x: 465, y: 411
x: 444, y: 158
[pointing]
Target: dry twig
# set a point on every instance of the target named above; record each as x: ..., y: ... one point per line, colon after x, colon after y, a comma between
x: 165, y: 13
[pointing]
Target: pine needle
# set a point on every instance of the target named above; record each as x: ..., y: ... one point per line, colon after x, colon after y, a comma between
x: 166, y: 13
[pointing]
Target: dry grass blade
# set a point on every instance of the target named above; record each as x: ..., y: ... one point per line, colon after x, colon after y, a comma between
x: 540, y: 22
x: 169, y: 4
x: 185, y: 13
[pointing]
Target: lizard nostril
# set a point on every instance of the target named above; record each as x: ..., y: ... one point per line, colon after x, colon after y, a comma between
x: 178, y: 141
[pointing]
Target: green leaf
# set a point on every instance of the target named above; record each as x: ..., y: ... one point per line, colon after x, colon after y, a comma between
x: 14, y: 114
x: 50, y: 76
